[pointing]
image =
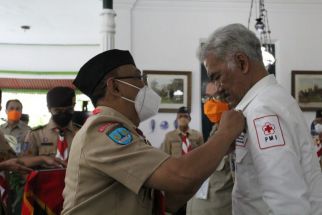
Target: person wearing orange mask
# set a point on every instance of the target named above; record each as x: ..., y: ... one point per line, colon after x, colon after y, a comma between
x: 14, y: 127
x: 182, y: 140
x: 216, y: 195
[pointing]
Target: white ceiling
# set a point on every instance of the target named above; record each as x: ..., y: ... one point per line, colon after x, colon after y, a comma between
x: 55, y: 21
x: 74, y: 21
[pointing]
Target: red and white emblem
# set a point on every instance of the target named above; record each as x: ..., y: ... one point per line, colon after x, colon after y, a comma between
x: 268, y: 128
x: 268, y: 131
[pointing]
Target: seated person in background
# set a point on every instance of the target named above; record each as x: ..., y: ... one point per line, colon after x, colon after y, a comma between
x: 316, y: 131
x: 14, y: 126
x: 54, y: 138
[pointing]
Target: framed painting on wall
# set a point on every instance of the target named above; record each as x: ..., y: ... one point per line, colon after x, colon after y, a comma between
x: 174, y: 87
x: 307, y: 89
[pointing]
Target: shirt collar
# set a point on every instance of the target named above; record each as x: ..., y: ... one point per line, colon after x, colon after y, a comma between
x: 255, y: 90
x: 179, y: 132
x: 18, y: 125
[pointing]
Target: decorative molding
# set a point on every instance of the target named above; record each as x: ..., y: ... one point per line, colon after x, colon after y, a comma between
x: 51, y: 44
x: 37, y: 74
x: 216, y: 5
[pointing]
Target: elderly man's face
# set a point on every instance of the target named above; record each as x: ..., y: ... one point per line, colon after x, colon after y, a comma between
x: 228, y: 80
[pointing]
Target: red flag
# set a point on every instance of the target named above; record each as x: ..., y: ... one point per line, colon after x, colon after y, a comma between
x: 43, y: 192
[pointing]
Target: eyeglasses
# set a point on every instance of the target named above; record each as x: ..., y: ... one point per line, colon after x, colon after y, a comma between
x: 207, y: 98
x: 143, y: 78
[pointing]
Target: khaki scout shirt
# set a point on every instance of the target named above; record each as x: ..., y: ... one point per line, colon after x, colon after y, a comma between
x: 106, y: 177
x: 172, y: 143
x: 219, y: 200
x: 19, y: 131
x: 6, y: 151
x: 43, y: 140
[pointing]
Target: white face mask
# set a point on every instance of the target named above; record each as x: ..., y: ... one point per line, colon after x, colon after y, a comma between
x: 318, y: 128
x: 146, y: 102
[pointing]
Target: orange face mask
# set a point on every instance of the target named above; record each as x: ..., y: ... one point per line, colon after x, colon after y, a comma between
x: 14, y: 115
x: 213, y: 109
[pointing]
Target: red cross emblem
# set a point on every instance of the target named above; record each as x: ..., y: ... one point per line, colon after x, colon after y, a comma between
x: 268, y: 128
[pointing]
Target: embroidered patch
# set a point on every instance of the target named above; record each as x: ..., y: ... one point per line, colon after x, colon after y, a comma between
x: 120, y: 135
x: 241, y: 139
x: 269, y: 132
x: 104, y: 126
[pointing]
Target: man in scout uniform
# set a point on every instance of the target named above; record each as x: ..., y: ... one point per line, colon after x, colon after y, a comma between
x: 14, y: 127
x: 183, y: 139
x: 112, y: 168
x: 217, y: 197
x: 55, y: 138
x: 6, y: 151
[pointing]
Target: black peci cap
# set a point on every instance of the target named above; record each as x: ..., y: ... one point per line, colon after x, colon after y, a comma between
x: 183, y: 109
x: 94, y: 70
x: 60, y: 97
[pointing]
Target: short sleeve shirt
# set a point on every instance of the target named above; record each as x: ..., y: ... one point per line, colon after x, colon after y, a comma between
x: 6, y: 151
x: 43, y: 140
x: 108, y: 165
x: 19, y: 131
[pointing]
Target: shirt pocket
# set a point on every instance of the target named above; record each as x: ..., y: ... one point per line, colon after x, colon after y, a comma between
x: 243, y: 171
x: 47, y: 149
x: 176, y: 149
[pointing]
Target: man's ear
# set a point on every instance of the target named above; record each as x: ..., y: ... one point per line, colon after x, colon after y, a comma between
x: 242, y: 62
x: 112, y: 87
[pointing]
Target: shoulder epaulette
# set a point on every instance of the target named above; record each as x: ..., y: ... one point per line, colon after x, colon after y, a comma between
x: 38, y: 127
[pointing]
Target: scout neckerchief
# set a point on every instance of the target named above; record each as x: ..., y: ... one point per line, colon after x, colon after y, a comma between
x: 159, y: 203
x: 62, y: 146
x: 186, y: 145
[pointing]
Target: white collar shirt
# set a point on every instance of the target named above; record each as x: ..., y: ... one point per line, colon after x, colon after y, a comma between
x: 277, y: 171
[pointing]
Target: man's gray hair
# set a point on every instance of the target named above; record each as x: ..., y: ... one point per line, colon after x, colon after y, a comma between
x: 227, y: 40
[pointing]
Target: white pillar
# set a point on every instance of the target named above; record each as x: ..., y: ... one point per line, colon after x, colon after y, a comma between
x: 108, y: 29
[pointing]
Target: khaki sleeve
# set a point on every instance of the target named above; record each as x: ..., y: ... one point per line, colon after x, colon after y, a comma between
x: 130, y: 164
x: 31, y: 141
